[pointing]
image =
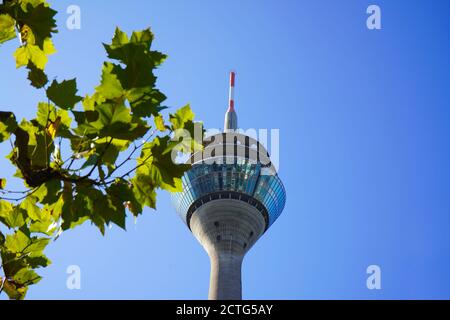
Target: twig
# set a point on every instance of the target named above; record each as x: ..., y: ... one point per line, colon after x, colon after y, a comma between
x: 21, y: 198
x: 80, y: 145
x: 15, y: 192
x: 98, y: 160
x: 3, y: 283
x: 135, y: 148
x: 132, y: 170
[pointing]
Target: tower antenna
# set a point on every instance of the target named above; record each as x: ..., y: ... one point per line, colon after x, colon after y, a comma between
x: 230, y: 124
x: 231, y: 92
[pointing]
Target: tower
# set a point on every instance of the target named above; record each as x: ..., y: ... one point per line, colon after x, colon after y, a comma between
x: 231, y: 196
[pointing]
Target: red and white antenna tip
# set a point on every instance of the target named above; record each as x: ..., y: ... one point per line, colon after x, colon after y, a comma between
x: 232, y: 77
x: 231, y: 94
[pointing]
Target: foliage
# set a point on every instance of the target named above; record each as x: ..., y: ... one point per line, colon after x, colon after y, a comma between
x: 81, y: 159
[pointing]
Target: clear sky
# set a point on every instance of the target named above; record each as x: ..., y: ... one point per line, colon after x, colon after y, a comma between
x: 364, y: 126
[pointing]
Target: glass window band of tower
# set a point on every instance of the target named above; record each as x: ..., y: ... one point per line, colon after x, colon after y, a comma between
x: 204, y: 180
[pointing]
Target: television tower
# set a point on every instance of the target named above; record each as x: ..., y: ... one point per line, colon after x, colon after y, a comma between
x: 231, y: 196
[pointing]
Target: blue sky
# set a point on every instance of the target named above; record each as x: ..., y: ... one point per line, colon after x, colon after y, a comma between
x: 364, y: 155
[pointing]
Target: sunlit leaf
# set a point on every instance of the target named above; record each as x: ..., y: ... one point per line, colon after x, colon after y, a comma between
x: 32, y: 53
x: 181, y: 117
x: 8, y: 125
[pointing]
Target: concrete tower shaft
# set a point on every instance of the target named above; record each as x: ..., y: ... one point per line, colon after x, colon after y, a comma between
x: 227, y: 229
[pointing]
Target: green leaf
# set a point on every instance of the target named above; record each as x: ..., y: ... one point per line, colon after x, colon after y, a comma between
x: 20, y: 243
x: 122, y: 192
x: 8, y: 125
x: 14, y: 291
x: 37, y: 77
x: 121, y: 48
x: 91, y: 161
x: 136, y: 55
x: 64, y: 94
x: 16, y: 285
x: 20, y: 254
x: 93, y: 204
x: 40, y: 153
x: 17, y: 242
x: 110, y: 150
x: 12, y: 262
x: 56, y: 121
x: 38, y: 261
x: 2, y: 183
x: 29, y: 207
x: 115, y: 121
x: 32, y: 53
x: 27, y: 277
x: 7, y: 29
x: 159, y: 123
x: 74, y: 207
x: 181, y: 117
x: 111, y: 210
x: 17, y: 218
x: 5, y: 208
x: 47, y: 227
x: 48, y: 192
x: 146, y: 101
x: 144, y: 190
x: 156, y: 162
x: 10, y: 216
x: 110, y: 87
x: 189, y: 139
x: 40, y: 18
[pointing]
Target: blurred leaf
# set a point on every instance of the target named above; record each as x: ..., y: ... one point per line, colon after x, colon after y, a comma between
x: 8, y: 125
x: 2, y: 183
x: 7, y: 29
x: 159, y: 123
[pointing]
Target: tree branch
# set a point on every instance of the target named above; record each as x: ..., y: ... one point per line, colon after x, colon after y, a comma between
x: 98, y: 160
